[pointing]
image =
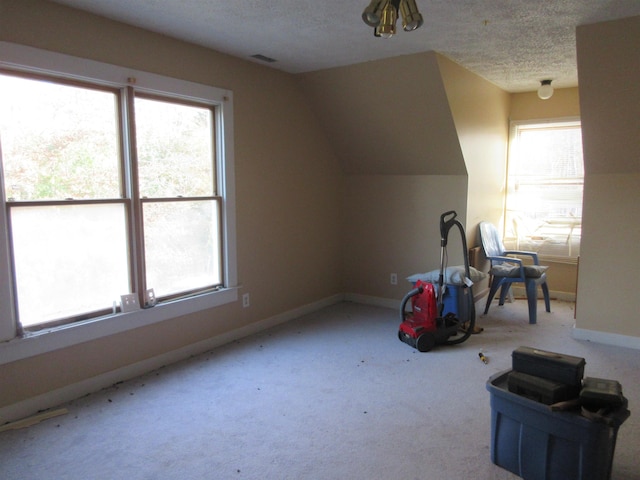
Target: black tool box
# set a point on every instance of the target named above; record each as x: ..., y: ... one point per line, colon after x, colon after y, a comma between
x: 540, y: 389
x: 552, y: 366
x: 601, y: 393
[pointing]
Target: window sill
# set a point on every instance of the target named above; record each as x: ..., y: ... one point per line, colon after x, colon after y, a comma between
x: 48, y: 340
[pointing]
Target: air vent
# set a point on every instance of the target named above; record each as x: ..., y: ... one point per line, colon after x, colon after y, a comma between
x: 263, y: 58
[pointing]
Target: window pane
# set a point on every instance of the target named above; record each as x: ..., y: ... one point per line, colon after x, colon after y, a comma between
x: 548, y: 152
x: 544, y: 195
x: 69, y: 259
x: 58, y: 141
x: 182, y: 246
x: 175, y: 149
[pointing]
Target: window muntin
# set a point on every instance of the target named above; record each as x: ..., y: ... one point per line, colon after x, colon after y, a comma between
x: 544, y: 189
x: 84, y: 168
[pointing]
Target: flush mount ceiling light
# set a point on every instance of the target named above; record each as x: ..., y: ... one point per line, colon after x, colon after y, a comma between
x: 382, y: 15
x: 546, y: 90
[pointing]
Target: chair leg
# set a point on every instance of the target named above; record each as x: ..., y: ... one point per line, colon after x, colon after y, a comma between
x: 495, y: 284
x: 545, y: 291
x: 506, y: 289
x: 532, y: 300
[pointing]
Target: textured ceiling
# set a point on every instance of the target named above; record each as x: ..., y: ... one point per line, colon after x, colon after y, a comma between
x: 512, y: 43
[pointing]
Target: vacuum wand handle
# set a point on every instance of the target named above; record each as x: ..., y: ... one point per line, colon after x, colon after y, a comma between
x: 445, y: 225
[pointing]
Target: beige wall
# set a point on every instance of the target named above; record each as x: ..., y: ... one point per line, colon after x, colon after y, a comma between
x: 392, y: 226
x: 394, y: 134
x: 321, y: 211
x: 480, y: 111
x: 288, y: 191
x: 609, y: 73
x: 565, y: 102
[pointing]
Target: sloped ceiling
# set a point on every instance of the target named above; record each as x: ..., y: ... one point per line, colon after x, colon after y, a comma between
x: 388, y: 117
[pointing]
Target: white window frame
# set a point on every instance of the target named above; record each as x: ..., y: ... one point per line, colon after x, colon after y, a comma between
x: 32, y: 60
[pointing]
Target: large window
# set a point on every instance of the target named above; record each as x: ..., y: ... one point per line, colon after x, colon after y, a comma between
x: 111, y: 188
x: 544, y: 189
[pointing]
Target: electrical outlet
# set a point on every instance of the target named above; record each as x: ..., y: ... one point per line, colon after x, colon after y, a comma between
x: 245, y: 300
x: 394, y: 279
x: 149, y: 298
x: 129, y: 302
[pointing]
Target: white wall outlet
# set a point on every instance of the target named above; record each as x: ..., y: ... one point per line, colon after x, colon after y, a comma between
x: 394, y: 279
x: 246, y: 301
x: 149, y: 298
x: 129, y: 302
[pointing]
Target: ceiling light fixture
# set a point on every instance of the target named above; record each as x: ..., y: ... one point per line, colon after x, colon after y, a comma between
x: 382, y: 15
x: 546, y: 90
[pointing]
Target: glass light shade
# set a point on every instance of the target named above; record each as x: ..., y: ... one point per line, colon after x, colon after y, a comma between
x: 546, y: 90
x: 387, y: 27
x: 371, y: 15
x: 411, y: 18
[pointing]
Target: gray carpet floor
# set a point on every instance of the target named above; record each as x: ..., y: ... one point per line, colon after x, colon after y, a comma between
x: 331, y: 395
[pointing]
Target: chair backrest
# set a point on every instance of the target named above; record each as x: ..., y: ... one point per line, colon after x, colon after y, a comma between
x: 491, y: 241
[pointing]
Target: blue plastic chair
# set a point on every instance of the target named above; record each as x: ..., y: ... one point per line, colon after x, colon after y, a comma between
x: 506, y: 270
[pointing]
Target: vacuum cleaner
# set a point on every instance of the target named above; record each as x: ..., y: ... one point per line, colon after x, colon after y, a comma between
x: 423, y: 327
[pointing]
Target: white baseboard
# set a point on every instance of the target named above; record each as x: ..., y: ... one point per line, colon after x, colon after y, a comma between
x: 477, y: 296
x: 67, y: 393
x: 390, y: 302
x: 519, y: 292
x: 606, y: 338
x: 577, y: 333
x: 31, y: 406
x: 370, y: 300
